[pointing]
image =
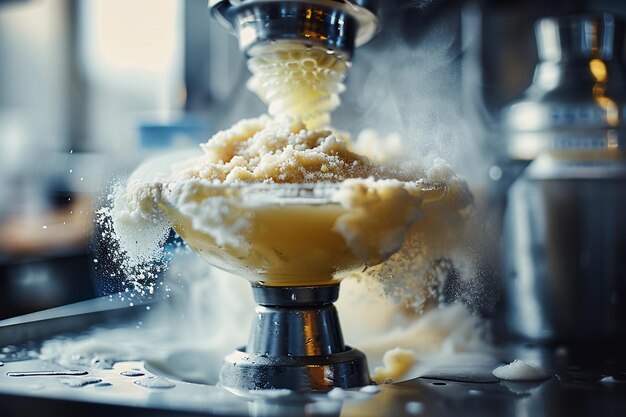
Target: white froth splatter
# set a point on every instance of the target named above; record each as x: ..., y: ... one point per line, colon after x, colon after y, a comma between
x: 520, y: 370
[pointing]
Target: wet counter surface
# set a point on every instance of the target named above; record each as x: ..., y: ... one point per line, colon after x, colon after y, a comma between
x: 591, y: 384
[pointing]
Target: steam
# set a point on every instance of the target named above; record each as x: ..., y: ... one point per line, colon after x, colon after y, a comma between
x: 407, y: 80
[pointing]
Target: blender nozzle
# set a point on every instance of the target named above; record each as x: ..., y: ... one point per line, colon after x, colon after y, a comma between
x: 338, y: 25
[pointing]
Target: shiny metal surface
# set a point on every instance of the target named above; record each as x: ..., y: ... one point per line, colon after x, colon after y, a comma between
x: 565, y: 241
x: 301, y: 324
x: 295, y: 343
x: 564, y: 231
x: 315, y: 373
x: 578, y: 95
x: 338, y: 25
x: 578, y: 387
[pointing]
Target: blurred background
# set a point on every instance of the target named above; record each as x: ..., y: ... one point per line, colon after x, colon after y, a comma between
x: 87, y: 90
x: 90, y: 88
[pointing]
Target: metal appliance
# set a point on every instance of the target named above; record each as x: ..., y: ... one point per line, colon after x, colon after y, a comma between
x: 296, y: 341
x: 564, y: 229
x: 576, y: 390
x: 338, y: 25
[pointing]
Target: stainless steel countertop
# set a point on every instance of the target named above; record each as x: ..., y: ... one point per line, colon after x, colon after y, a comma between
x: 575, y: 389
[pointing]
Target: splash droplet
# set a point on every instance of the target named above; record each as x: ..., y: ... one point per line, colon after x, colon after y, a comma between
x: 79, y: 382
x: 47, y: 373
x: 155, y: 382
x: 132, y: 373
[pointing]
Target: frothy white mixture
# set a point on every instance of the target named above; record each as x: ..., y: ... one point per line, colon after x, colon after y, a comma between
x: 377, y: 307
x: 409, y: 241
x: 379, y: 213
x: 520, y: 370
x: 298, y: 81
x: 217, y: 215
x: 409, y: 237
x: 401, y: 343
x: 209, y: 313
x: 443, y: 240
x: 138, y: 223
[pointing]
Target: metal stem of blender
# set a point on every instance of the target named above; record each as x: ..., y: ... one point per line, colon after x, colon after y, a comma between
x: 295, y: 321
x: 295, y: 343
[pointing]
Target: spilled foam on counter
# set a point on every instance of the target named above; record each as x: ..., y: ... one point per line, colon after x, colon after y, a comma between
x: 186, y: 336
x: 520, y: 370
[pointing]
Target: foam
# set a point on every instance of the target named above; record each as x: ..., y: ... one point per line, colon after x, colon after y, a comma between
x: 298, y: 81
x: 409, y: 260
x: 280, y: 150
x: 520, y: 370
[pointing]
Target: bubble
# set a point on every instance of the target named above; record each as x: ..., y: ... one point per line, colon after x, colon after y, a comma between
x: 495, y: 173
x: 414, y: 407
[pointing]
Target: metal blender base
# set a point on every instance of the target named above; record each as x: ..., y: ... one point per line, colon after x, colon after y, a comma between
x: 295, y: 343
x: 246, y: 371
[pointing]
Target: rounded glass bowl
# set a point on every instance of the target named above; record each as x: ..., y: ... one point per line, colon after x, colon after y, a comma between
x: 271, y: 234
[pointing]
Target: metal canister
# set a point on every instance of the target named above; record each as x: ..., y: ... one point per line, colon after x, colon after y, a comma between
x: 564, y: 227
